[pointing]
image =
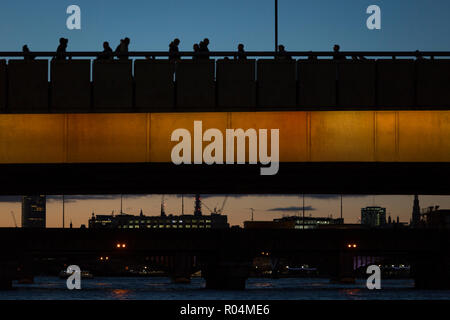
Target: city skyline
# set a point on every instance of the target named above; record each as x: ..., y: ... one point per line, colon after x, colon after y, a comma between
x: 79, y: 209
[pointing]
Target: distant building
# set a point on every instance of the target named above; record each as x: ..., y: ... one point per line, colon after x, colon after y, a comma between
x: 310, y: 222
x: 373, y: 216
x: 33, y: 211
x: 269, y: 225
x: 437, y: 218
x: 127, y: 221
x: 293, y: 222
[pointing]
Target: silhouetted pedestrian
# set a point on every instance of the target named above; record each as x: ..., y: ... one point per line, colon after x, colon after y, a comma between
x: 174, y: 52
x: 27, y: 54
x: 282, y: 54
x: 196, y: 49
x: 203, y: 49
x: 118, y: 48
x: 122, y: 49
x: 337, y: 54
x: 61, y: 50
x: 241, y: 55
x: 107, y: 53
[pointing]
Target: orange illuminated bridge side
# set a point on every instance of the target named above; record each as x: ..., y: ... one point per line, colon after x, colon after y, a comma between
x: 321, y: 136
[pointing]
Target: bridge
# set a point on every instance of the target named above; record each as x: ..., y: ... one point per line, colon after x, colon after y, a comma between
x: 344, y: 122
x: 375, y: 126
x: 225, y: 256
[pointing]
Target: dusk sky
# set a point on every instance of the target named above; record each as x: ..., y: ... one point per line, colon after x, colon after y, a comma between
x: 237, y: 207
x: 151, y: 25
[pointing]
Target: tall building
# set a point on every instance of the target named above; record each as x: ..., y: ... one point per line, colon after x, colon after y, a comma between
x: 33, y: 211
x: 198, y: 206
x: 436, y: 218
x: 373, y: 216
x: 416, y: 212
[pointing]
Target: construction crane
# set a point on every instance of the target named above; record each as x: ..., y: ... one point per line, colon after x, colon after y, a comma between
x: 253, y: 212
x: 14, y: 218
x: 217, y: 211
x: 204, y: 204
x: 223, y: 204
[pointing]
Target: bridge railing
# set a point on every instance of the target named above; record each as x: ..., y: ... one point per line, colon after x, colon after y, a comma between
x: 379, y: 80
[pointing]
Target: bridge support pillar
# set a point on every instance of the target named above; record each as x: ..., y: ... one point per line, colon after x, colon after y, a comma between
x: 431, y: 271
x: 343, y: 271
x: 25, y: 270
x: 181, y: 268
x: 6, y: 276
x: 229, y: 275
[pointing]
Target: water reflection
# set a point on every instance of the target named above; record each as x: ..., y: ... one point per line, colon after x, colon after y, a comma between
x: 160, y: 288
x: 121, y: 294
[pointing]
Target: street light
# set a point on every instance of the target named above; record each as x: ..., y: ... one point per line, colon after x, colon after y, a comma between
x: 276, y: 25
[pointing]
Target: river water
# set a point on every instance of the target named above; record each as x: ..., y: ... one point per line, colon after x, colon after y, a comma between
x: 53, y: 288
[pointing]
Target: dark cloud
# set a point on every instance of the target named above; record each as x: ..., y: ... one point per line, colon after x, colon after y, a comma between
x: 74, y: 198
x: 10, y: 199
x: 291, y: 209
x: 310, y: 196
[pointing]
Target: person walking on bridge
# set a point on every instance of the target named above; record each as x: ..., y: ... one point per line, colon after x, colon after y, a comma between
x: 27, y: 56
x: 174, y: 52
x: 241, y: 55
x: 122, y: 49
x: 107, y: 53
x: 282, y: 53
x: 196, y: 49
x: 61, y: 50
x: 203, y: 49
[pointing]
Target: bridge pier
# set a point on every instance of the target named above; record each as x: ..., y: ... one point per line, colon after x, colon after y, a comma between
x: 342, y: 271
x: 180, y: 268
x: 25, y: 273
x: 6, y: 276
x: 226, y: 275
x: 431, y: 271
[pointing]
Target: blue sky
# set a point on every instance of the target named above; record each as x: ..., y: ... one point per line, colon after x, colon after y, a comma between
x: 304, y: 25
